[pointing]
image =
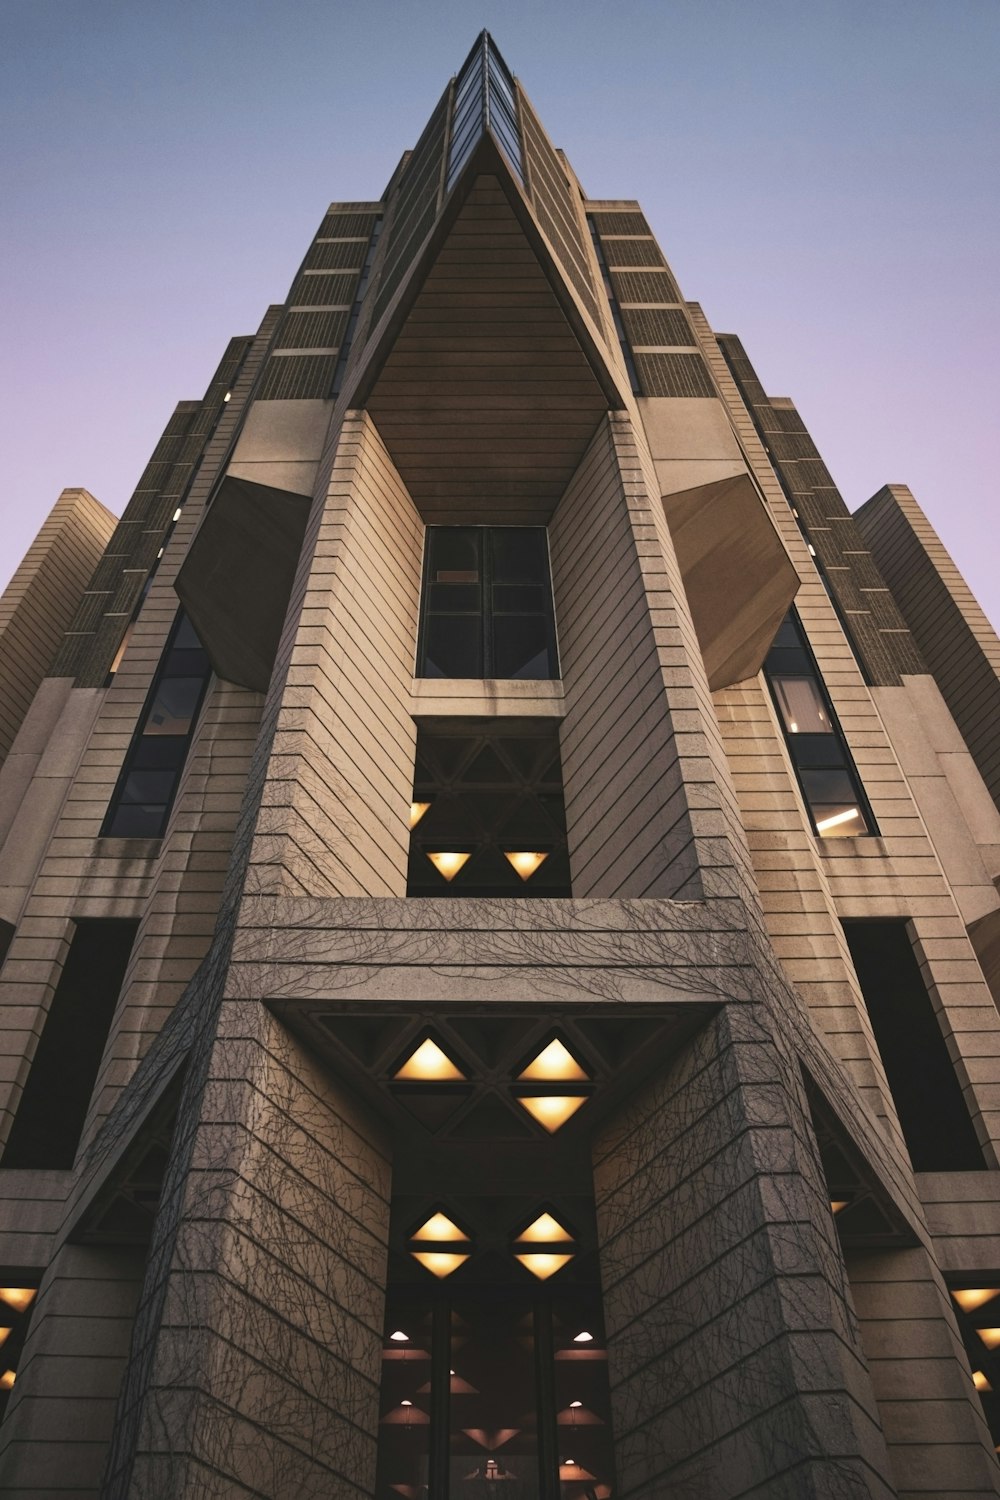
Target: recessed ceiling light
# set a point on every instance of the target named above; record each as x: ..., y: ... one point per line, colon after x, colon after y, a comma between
x: 544, y: 1247
x: 400, y: 1337
x: 18, y: 1297
x: 554, y: 1064
x: 417, y: 810
x: 836, y: 1204
x: 7, y: 1379
x: 525, y: 862
x: 980, y: 1381
x: 551, y: 1110
x: 583, y: 1338
x: 447, y: 862
x: 428, y: 1062
x: 439, y: 1245
x: 971, y: 1297
x: 990, y: 1337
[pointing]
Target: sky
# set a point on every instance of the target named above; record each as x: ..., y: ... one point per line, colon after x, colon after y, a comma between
x: 821, y: 177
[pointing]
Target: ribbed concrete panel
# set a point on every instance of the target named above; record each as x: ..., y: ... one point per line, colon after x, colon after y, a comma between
x: 264, y: 1376
x: 957, y: 640
x: 56, y: 1431
x: 648, y: 804
x: 336, y: 804
x: 734, y: 1359
x: 938, y: 1441
x: 42, y: 597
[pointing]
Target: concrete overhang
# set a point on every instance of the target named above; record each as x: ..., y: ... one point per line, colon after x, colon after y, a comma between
x: 236, y: 580
x: 485, y: 375
x: 738, y: 578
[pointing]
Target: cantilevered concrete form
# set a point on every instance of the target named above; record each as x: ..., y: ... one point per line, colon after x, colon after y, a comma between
x: 499, y: 997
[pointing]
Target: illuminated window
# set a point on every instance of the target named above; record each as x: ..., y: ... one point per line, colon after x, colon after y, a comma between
x: 487, y: 604
x: 826, y: 774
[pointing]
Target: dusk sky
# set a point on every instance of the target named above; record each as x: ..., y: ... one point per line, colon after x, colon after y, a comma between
x: 822, y: 177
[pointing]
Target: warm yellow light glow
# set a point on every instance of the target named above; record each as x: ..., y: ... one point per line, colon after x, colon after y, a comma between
x: 19, y: 1297
x: 980, y: 1381
x: 524, y: 862
x: 552, y: 1110
x: 569, y: 1469
x: 439, y: 1262
x: 439, y: 1227
x: 555, y: 1063
x: 971, y: 1297
x: 836, y: 1204
x: 417, y: 810
x: 990, y: 1337
x: 428, y: 1062
x: 841, y: 817
x: 447, y: 864
x: 7, y: 1379
x: 544, y: 1230
x: 4, y: 1336
x: 543, y: 1264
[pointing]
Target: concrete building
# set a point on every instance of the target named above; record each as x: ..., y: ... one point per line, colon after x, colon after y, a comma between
x: 493, y: 1006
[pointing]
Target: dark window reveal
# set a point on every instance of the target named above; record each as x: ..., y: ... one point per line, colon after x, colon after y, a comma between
x: 487, y: 604
x: 932, y: 1114
x: 148, y: 783
x: 830, y: 783
x: 487, y: 815
x: 53, y: 1107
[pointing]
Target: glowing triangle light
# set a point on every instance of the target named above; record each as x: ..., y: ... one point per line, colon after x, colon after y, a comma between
x: 429, y: 1063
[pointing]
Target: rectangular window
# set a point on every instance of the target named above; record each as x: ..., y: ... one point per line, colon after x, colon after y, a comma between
x: 933, y: 1117
x: 826, y: 773
x: 487, y: 604
x: 144, y: 795
x: 54, y: 1103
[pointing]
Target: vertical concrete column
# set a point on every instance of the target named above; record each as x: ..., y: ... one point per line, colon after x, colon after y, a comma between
x: 735, y: 1363
x: 257, y: 1359
x: 649, y: 806
x: 55, y: 1435
x: 937, y: 1436
x: 334, y: 819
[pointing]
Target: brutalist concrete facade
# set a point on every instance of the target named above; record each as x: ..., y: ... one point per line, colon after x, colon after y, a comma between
x: 485, y: 346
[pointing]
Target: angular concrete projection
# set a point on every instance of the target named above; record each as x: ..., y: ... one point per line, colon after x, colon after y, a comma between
x: 237, y: 577
x: 738, y: 578
x: 485, y: 379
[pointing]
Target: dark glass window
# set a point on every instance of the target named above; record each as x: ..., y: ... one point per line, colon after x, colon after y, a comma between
x: 56, y: 1096
x: 484, y: 95
x: 933, y: 1117
x: 487, y: 815
x: 148, y: 782
x: 487, y: 604
x: 827, y: 776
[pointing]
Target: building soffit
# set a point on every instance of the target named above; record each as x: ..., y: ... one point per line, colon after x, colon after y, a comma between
x: 485, y: 376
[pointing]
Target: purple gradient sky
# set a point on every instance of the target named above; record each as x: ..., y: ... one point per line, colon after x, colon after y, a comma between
x: 822, y: 178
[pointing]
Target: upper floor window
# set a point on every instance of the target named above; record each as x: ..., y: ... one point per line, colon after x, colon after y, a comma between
x: 144, y: 795
x: 827, y: 775
x: 486, y: 608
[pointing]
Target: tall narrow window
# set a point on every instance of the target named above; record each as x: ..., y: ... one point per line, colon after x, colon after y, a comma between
x: 487, y: 604
x: 56, y: 1097
x: 144, y: 795
x: 932, y: 1113
x: 830, y: 783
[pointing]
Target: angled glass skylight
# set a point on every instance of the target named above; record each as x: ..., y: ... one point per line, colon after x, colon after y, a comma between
x: 484, y: 99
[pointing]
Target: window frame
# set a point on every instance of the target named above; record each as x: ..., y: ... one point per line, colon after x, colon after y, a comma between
x: 487, y: 614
